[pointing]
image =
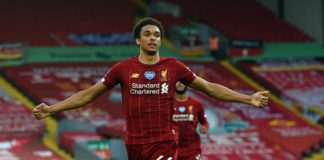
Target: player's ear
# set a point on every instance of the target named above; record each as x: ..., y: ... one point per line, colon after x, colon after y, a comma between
x: 137, y: 40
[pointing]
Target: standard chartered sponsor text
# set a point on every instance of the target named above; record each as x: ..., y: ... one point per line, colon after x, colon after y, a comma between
x: 147, y: 85
x: 148, y: 88
x: 182, y: 117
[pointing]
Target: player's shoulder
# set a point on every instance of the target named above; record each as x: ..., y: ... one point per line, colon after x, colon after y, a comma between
x: 170, y: 60
x: 167, y: 59
x: 124, y: 63
x: 195, y: 100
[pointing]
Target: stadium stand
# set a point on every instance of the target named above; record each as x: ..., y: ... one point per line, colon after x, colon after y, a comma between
x: 62, y: 80
x: 299, y: 82
x: 20, y: 133
x: 242, y: 19
x: 45, y: 23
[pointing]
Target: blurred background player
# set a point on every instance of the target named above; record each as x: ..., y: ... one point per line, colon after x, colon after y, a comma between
x: 188, y: 113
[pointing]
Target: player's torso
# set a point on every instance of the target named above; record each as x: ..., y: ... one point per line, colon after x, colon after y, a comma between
x: 185, y: 114
x: 148, y: 85
x: 186, y: 118
x: 148, y: 92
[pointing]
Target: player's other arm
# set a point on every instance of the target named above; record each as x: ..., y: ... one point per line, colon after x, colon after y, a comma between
x: 203, y: 128
x: 220, y: 92
x: 77, y: 100
x: 202, y: 119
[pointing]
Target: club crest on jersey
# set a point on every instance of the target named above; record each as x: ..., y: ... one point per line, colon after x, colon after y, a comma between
x: 190, y: 109
x: 149, y: 75
x: 135, y: 75
x: 182, y: 109
x: 164, y: 75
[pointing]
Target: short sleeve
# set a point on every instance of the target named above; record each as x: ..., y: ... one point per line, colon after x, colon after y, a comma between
x: 201, y: 114
x: 112, y: 77
x: 186, y: 75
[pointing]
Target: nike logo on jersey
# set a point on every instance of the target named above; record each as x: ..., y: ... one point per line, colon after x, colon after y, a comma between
x: 135, y: 75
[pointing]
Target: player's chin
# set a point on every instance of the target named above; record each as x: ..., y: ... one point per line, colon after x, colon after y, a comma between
x: 152, y: 51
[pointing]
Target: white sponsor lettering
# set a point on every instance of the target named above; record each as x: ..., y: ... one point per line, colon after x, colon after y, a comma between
x: 134, y: 91
x: 147, y: 85
x: 198, y: 157
x: 182, y: 117
x: 191, y: 117
x: 43, y: 153
x: 161, y: 156
x: 165, y: 88
x: 148, y: 88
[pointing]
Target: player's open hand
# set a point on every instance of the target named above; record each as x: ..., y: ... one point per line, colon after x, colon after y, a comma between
x: 41, y: 111
x: 259, y: 99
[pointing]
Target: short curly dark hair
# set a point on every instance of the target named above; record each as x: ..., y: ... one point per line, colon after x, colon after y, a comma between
x: 147, y: 21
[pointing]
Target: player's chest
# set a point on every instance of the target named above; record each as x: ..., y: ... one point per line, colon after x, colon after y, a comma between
x: 150, y: 81
x: 184, y: 113
x: 185, y: 109
x: 151, y: 75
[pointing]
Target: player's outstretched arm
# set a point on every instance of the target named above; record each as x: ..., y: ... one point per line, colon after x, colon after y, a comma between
x: 220, y: 92
x: 77, y: 100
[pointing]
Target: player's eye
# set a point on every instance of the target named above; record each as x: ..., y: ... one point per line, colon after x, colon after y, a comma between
x: 146, y: 33
x: 157, y: 34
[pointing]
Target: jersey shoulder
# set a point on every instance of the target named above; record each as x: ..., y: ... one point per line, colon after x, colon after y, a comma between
x: 195, y: 100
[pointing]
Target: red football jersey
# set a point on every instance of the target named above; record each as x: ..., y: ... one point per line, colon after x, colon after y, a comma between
x: 147, y: 92
x: 187, y: 115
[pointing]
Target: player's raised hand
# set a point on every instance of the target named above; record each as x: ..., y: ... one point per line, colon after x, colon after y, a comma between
x: 259, y: 99
x: 41, y: 111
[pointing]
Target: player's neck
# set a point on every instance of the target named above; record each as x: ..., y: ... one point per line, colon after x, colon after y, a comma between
x: 181, y: 97
x: 147, y: 58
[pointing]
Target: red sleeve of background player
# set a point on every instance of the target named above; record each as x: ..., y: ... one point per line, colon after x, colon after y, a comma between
x: 186, y: 75
x: 113, y: 75
x: 201, y: 114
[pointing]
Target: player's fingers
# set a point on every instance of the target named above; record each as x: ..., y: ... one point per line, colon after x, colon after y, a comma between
x: 263, y: 92
x: 263, y: 103
x: 42, y: 106
x: 265, y: 98
x: 37, y: 115
x: 36, y: 109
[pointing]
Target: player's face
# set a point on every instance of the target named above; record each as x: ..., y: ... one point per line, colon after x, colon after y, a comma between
x: 180, y: 88
x: 150, y: 39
